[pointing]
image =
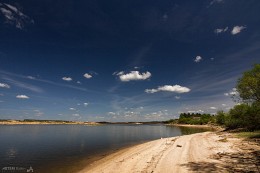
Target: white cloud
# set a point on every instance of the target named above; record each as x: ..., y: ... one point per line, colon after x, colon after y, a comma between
x: 22, y: 97
x: 215, y: 2
x: 78, y: 82
x: 31, y: 77
x: 237, y: 29
x: 198, y: 111
x: 38, y: 113
x: 212, y: 59
x: 72, y: 109
x: 177, y: 97
x: 3, y: 85
x: 233, y: 92
x: 169, y: 88
x: 133, y: 75
x: 224, y: 104
x: 213, y: 107
x: 85, y: 104
x: 198, y: 59
x: 67, y: 79
x: 118, y: 73
x: 88, y: 76
x: 75, y: 115
x: 220, y: 30
x: 13, y: 16
x: 151, y: 90
x: 111, y: 113
x: 23, y: 85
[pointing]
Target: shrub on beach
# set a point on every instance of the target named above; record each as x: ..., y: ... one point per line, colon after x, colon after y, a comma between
x: 241, y: 116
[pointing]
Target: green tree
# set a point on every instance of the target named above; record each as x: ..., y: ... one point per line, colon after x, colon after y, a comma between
x: 244, y: 116
x: 248, y: 86
x: 220, y: 118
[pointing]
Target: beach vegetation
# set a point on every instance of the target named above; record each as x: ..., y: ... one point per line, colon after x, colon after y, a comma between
x: 195, y: 118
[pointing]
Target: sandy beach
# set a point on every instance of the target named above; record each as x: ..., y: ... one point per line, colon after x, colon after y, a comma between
x: 201, y: 152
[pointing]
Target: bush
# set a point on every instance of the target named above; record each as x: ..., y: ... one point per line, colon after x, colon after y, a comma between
x: 220, y: 118
x: 244, y: 116
x: 196, y: 119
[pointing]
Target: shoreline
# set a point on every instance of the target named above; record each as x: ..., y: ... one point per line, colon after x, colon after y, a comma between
x: 48, y: 123
x: 217, y: 128
x: 203, y: 152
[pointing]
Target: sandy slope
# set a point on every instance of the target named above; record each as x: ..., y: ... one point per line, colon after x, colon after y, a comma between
x: 202, y: 152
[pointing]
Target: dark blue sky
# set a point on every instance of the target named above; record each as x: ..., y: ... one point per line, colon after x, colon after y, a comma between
x: 122, y: 60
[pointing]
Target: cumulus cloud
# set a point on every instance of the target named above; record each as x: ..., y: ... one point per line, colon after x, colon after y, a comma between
x: 4, y: 85
x: 220, y: 30
x: 14, y: 16
x: 22, y: 97
x: 233, y: 92
x: 198, y: 59
x: 213, y: 107
x: 72, y: 109
x: 88, y: 76
x: 67, y: 79
x: 133, y: 75
x: 169, y: 88
x: 237, y: 29
x: 85, y: 104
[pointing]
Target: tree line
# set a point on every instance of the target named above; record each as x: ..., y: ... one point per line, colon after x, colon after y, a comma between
x: 245, y: 115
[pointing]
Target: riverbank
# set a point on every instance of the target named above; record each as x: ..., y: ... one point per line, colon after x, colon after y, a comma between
x: 213, y: 127
x: 201, y: 152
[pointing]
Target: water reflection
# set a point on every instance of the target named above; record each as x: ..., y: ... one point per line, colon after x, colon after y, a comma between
x: 11, y: 152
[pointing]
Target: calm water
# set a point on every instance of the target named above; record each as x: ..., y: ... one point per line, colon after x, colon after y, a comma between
x: 67, y: 148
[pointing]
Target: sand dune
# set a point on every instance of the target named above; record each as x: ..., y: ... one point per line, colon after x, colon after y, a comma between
x: 202, y: 152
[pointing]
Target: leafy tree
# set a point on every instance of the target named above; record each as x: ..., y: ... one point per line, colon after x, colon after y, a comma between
x: 248, y: 86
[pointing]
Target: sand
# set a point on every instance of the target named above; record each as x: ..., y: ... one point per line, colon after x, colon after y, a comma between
x: 201, y: 152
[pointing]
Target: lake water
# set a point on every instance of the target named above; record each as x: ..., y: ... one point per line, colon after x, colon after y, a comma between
x: 68, y: 148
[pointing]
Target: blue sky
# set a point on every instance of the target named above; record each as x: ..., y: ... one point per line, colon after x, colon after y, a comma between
x: 123, y: 60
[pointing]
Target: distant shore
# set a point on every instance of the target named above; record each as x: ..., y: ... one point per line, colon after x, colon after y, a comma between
x: 201, y: 152
x: 21, y: 122
x: 33, y: 121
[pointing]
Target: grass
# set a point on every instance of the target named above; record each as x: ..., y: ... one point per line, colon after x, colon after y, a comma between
x: 255, y: 134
